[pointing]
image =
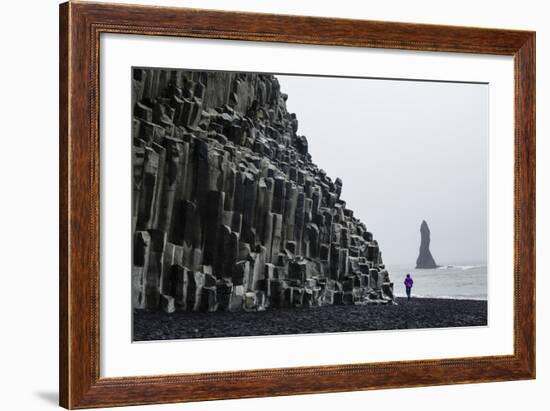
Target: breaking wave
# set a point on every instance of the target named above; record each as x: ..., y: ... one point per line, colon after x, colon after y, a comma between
x: 460, y: 267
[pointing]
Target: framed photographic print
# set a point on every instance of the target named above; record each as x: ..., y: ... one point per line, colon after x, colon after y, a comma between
x: 259, y: 205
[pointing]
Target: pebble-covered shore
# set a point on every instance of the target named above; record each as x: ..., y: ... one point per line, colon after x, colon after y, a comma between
x: 413, y: 314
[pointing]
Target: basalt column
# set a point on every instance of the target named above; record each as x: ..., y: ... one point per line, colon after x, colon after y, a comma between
x: 229, y: 210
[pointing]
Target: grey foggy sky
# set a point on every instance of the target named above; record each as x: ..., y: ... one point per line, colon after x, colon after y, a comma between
x: 405, y: 151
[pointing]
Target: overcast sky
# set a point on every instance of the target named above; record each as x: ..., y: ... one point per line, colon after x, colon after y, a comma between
x: 405, y: 151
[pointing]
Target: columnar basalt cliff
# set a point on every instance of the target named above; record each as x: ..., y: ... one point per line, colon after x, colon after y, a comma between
x: 229, y: 211
x: 425, y: 259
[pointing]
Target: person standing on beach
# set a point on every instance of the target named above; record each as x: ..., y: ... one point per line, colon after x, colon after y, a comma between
x: 408, y: 285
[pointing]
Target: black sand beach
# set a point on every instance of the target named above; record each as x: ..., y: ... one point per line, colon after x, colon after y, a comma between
x: 413, y: 314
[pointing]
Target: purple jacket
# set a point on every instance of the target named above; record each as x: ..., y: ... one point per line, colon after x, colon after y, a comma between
x: 408, y: 282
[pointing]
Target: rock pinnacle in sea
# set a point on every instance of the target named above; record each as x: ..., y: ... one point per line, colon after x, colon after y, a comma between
x: 425, y: 259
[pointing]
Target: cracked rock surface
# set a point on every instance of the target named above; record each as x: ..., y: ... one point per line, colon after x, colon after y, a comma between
x: 230, y: 213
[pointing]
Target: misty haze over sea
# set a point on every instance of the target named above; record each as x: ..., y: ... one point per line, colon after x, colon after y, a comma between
x: 406, y: 157
x: 454, y: 280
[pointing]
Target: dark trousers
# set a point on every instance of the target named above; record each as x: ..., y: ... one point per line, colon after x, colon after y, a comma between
x: 408, y: 289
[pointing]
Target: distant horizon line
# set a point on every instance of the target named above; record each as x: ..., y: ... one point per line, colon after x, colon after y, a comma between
x: 444, y: 263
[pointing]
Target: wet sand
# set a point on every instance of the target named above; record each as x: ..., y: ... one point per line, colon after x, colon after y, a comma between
x: 413, y: 314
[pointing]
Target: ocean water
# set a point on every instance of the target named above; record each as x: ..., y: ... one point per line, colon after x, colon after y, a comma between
x: 461, y: 281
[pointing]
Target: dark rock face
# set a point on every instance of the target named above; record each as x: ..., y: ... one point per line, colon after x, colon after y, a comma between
x: 229, y: 211
x: 425, y: 259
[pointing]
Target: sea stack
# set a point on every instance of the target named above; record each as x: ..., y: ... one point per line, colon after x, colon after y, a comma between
x: 425, y: 259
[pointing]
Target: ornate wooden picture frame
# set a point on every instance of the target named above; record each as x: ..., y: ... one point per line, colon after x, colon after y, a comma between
x: 81, y: 25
